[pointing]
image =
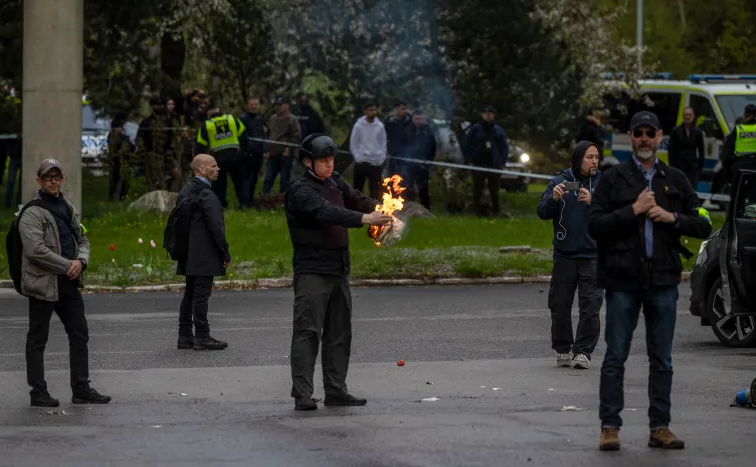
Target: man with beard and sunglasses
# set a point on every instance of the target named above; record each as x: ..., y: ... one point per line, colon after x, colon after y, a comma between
x: 638, y: 213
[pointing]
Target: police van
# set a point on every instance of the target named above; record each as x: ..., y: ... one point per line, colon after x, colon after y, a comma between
x: 718, y: 100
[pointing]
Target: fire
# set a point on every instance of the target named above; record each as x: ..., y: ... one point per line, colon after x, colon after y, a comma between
x: 392, y: 202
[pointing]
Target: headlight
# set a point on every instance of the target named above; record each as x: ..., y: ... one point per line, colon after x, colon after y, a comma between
x: 524, y: 157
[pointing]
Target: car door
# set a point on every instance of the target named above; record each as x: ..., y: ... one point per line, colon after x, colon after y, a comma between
x: 739, y: 255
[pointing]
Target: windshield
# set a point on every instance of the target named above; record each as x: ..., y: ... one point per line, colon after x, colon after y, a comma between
x: 732, y: 106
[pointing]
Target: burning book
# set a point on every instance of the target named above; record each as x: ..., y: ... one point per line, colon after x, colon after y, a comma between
x: 388, y: 235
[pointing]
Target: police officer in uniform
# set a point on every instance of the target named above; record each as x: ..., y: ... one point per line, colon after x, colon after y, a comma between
x: 224, y: 136
x: 739, y: 150
x: 320, y: 206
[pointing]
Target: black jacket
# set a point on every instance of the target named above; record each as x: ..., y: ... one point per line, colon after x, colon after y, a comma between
x: 486, y: 145
x: 318, y: 213
x: 686, y: 152
x: 396, y: 134
x: 309, y: 121
x: 208, y: 248
x: 570, y: 216
x: 255, y: 128
x: 620, y: 234
x: 420, y: 143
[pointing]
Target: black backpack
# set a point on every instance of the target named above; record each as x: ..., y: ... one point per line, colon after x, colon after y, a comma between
x: 177, y: 228
x: 14, y: 247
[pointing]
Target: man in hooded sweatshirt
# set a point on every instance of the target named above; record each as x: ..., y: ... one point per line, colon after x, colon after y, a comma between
x: 368, y: 146
x: 575, y: 256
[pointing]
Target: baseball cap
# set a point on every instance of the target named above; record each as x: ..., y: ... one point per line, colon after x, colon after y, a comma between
x: 750, y: 109
x: 47, y: 165
x: 280, y: 100
x: 645, y: 118
x: 489, y: 108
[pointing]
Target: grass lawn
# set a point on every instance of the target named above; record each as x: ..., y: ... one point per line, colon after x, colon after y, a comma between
x: 444, y: 246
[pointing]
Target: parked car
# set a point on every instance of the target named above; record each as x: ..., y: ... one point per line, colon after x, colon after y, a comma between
x: 723, y: 279
x: 450, y: 149
x: 94, y: 138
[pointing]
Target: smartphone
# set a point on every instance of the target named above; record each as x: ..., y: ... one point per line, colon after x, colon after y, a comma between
x: 572, y: 186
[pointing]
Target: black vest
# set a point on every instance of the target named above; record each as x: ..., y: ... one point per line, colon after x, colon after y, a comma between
x: 307, y: 232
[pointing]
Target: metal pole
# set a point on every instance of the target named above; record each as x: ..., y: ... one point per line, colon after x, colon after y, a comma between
x: 639, y: 33
x: 53, y: 80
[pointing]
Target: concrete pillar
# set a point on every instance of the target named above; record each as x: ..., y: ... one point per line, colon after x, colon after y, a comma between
x: 52, y: 87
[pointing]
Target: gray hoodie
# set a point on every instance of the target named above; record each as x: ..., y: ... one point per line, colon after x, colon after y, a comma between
x: 368, y: 142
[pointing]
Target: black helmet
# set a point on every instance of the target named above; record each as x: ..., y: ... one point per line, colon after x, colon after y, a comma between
x: 318, y: 146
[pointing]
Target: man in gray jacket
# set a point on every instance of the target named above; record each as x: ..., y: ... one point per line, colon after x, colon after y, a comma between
x: 55, y: 253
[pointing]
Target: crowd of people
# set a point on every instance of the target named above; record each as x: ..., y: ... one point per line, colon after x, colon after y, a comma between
x: 169, y: 138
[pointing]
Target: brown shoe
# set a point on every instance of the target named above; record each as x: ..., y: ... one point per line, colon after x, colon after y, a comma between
x: 609, y: 439
x: 664, y: 439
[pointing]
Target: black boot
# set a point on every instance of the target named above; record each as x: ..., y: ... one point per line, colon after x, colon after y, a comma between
x: 88, y: 395
x: 185, y: 342
x: 344, y: 400
x: 305, y: 403
x: 208, y: 343
x: 42, y: 398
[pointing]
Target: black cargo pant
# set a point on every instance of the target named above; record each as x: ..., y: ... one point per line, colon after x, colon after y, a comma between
x: 70, y: 310
x: 194, y: 307
x: 567, y: 275
x: 322, y: 304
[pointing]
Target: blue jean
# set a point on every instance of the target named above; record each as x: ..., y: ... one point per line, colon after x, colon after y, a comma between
x: 274, y: 165
x: 622, y: 312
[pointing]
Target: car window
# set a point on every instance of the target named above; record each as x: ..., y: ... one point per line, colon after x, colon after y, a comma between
x: 745, y: 206
x: 702, y: 108
x: 666, y: 106
x: 732, y: 106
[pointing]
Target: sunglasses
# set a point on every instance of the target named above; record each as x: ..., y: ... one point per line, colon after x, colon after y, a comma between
x: 49, y: 178
x: 639, y: 133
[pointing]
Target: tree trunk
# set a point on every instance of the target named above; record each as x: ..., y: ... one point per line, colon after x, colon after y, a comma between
x: 172, y: 56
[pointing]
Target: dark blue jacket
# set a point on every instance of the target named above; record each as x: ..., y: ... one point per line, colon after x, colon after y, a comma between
x: 420, y: 143
x: 475, y: 151
x: 396, y: 134
x: 255, y: 125
x: 572, y: 214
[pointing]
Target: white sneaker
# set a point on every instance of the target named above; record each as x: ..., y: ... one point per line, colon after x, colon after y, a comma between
x: 580, y: 361
x: 563, y: 360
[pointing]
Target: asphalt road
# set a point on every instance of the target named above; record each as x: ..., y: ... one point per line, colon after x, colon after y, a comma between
x: 484, y: 352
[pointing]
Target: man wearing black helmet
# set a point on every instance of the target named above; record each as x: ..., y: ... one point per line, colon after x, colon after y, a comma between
x: 320, y: 206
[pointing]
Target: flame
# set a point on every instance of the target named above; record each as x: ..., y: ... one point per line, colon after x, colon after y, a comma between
x: 392, y: 202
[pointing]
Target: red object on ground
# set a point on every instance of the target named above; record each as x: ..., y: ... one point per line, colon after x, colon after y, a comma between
x: 112, y: 247
x: 400, y: 363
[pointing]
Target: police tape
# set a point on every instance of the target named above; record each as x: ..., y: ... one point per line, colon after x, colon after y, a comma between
x: 451, y: 165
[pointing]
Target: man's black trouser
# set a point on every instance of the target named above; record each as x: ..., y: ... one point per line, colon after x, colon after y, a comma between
x: 417, y: 180
x: 70, y: 310
x: 567, y: 275
x: 194, y: 307
x: 479, y: 180
x: 364, y: 171
x: 231, y: 167
x: 252, y: 165
x: 322, y: 304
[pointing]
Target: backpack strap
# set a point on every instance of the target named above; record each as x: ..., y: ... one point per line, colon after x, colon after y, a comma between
x: 51, y: 209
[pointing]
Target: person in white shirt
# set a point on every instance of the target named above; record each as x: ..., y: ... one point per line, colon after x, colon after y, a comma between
x: 368, y: 146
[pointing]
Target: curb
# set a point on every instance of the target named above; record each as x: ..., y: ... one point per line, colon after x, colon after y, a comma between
x: 287, y: 282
